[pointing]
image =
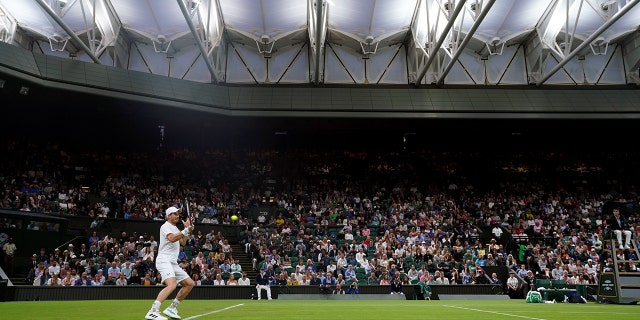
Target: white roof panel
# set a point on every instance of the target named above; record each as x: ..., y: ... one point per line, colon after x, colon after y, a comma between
x: 349, y: 23
x: 260, y: 17
x: 152, y: 18
x: 30, y: 16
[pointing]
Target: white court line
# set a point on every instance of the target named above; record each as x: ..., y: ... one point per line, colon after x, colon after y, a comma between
x: 493, y: 312
x: 214, y: 311
x: 603, y: 312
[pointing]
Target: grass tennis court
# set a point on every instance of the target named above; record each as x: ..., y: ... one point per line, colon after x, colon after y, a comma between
x: 323, y: 309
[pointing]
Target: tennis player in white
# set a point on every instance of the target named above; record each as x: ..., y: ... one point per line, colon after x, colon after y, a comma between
x: 167, y: 264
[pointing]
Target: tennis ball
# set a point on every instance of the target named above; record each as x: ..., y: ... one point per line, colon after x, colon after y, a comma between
x: 234, y: 217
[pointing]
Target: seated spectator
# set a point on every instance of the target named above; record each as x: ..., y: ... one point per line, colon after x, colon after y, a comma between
x: 496, y: 280
x: 113, y: 270
x: 331, y: 267
x: 522, y: 272
x: 558, y: 272
x: 244, y: 281
x: 481, y: 278
x: 109, y: 281
x: 350, y: 273
x: 122, y: 280
x: 292, y: 280
x: 232, y: 280
x: 218, y: 281
x: 286, y: 261
x: 54, y: 281
x: 135, y: 278
x: 68, y: 280
x: 441, y: 279
x: 372, y: 279
x: 98, y: 280
x: 413, y: 273
x: 465, y: 277
x: 530, y: 280
x: 83, y: 280
x: 348, y: 236
x: 454, y: 275
x: 146, y: 281
x: 236, y: 267
x: 384, y: 281
x: 315, y: 280
x: 597, y: 243
x: 301, y: 267
x: 305, y: 281
x: 207, y: 278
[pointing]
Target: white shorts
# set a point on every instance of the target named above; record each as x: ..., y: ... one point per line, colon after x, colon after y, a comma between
x: 171, y: 270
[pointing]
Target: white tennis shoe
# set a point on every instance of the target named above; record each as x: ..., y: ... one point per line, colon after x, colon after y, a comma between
x: 171, y: 313
x: 154, y: 315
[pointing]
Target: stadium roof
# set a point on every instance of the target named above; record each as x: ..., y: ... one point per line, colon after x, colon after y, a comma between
x: 472, y: 42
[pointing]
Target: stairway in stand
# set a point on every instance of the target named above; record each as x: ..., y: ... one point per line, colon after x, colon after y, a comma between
x: 622, y: 284
x: 245, y: 261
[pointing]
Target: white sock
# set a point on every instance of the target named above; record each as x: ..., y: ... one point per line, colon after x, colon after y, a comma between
x: 156, y: 306
x: 175, y: 303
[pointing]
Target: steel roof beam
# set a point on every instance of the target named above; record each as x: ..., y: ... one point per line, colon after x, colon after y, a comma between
x: 589, y: 40
x: 194, y: 32
x: 443, y: 37
x: 76, y: 40
x: 319, y: 43
x: 465, y: 41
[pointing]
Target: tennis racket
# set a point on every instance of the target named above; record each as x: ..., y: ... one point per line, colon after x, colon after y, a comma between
x: 186, y: 205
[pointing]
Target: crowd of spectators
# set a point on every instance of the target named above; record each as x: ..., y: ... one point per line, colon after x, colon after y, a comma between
x: 129, y: 260
x: 387, y: 214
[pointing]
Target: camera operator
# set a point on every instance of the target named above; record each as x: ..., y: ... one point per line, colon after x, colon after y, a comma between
x: 353, y: 289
